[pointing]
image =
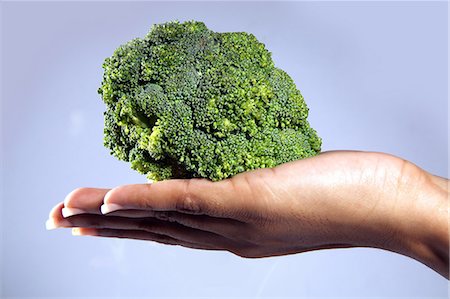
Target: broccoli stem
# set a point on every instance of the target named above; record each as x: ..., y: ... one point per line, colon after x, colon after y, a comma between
x: 139, y: 121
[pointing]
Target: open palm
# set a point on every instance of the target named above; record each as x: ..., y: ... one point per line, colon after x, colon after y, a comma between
x: 320, y: 202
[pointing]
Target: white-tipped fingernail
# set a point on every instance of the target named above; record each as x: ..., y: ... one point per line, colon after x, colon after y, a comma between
x: 51, y: 224
x: 76, y: 231
x: 110, y: 207
x: 67, y: 212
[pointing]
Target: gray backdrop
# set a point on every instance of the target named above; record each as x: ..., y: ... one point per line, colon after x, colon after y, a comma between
x: 373, y: 74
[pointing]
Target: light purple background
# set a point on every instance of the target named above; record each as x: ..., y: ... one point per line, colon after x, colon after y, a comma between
x: 373, y: 74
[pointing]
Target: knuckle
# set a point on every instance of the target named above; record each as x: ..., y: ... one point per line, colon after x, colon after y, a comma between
x: 74, y: 195
x: 188, y: 202
x: 146, y: 203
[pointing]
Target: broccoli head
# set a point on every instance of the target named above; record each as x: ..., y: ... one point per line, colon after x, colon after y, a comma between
x: 185, y: 101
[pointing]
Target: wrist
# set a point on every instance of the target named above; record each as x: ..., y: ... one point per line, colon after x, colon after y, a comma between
x: 426, y: 238
x: 416, y: 217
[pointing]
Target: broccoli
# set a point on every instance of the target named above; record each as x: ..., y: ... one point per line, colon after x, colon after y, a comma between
x: 185, y: 102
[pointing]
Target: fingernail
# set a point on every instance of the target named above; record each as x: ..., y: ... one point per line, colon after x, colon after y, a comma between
x: 67, y: 212
x: 77, y: 231
x: 110, y: 207
x: 52, y: 224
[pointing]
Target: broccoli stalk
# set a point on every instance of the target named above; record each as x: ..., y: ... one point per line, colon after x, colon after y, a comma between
x: 186, y: 102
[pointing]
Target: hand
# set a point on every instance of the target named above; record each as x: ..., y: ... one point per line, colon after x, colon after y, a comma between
x: 334, y: 200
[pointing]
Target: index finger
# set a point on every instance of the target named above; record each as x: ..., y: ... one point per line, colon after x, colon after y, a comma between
x: 191, y: 196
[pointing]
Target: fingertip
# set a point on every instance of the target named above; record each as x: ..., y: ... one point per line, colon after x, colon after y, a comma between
x: 112, y: 195
x: 55, y: 212
x: 76, y: 231
x: 50, y: 224
x: 83, y: 231
x: 119, y: 195
x: 73, y: 195
x: 84, y: 200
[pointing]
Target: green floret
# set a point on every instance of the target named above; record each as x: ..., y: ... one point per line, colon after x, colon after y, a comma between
x: 186, y: 102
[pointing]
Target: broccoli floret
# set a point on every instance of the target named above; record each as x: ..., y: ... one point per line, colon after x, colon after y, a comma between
x: 186, y: 102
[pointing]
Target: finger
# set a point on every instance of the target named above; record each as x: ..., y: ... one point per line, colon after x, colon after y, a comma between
x: 55, y: 212
x: 84, y: 200
x: 192, y: 196
x: 230, y: 228
x: 133, y: 213
x: 56, y: 219
x: 138, y: 235
x: 171, y: 229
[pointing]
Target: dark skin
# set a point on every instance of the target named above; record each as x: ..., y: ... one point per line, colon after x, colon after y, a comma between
x: 338, y: 199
